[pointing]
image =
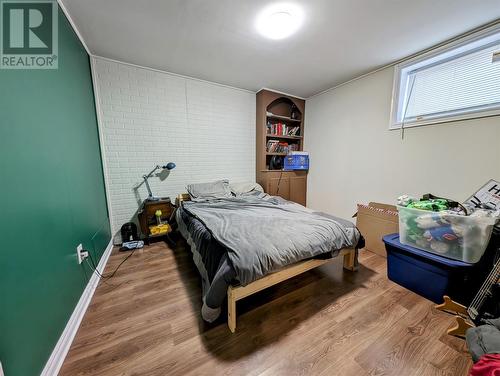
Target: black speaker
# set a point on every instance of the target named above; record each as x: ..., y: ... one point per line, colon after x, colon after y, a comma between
x: 129, y: 232
x: 276, y: 162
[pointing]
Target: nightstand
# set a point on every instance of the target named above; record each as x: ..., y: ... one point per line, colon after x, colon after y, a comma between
x: 147, y: 217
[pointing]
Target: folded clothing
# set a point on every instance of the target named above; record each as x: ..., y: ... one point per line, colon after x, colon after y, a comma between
x: 488, y: 365
x: 484, y: 339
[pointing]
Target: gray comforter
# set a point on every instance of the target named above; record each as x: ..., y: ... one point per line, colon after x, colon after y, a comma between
x: 265, y: 233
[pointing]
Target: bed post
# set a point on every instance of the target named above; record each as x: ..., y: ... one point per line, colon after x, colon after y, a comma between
x: 231, y: 309
x: 351, y: 260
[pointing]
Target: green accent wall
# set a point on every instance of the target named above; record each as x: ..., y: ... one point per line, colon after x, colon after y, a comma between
x: 52, y: 198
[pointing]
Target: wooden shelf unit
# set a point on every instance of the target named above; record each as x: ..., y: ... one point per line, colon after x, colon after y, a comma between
x: 282, y: 154
x: 290, y: 185
x: 284, y: 118
x: 269, y: 135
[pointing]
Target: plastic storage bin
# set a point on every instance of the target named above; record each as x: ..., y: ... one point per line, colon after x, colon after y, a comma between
x: 458, y: 237
x: 430, y: 275
x: 296, y: 162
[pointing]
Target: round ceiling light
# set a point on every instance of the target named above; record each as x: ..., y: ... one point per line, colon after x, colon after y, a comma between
x: 279, y: 21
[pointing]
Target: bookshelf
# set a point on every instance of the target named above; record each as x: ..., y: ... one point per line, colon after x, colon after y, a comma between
x: 279, y: 130
x: 270, y: 135
x: 276, y: 154
x: 284, y: 118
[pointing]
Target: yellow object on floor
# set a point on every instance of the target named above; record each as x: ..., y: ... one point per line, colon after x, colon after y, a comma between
x: 164, y: 228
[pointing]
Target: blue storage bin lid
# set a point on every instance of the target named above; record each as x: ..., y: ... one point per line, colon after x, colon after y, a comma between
x: 393, y: 240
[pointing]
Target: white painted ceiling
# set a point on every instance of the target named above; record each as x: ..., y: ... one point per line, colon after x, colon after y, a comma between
x: 216, y: 40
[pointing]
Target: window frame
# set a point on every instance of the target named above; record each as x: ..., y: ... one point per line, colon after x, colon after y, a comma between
x: 448, y: 52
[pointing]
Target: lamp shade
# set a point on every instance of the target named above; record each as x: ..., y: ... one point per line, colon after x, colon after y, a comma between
x: 169, y: 166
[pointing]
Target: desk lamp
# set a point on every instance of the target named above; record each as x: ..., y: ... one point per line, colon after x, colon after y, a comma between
x: 169, y: 166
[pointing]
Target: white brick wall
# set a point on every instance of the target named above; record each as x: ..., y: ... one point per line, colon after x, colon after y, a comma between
x: 149, y: 117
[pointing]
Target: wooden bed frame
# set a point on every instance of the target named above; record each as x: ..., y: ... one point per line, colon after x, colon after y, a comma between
x: 235, y: 293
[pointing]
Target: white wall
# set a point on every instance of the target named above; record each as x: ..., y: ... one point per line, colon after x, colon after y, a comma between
x: 356, y: 159
x: 150, y: 117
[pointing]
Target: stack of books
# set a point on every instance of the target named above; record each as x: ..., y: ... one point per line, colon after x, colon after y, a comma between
x: 275, y: 146
x: 281, y: 129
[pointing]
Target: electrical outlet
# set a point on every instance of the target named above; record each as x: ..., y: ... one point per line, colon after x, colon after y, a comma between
x: 81, y: 254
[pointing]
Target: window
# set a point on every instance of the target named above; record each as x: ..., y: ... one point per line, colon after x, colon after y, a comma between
x: 460, y: 81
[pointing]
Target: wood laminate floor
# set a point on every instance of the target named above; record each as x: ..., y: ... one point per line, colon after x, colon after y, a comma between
x: 146, y: 321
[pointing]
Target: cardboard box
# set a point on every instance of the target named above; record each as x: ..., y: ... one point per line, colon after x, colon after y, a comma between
x: 374, y: 221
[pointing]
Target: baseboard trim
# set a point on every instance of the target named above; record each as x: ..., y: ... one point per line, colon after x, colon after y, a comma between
x: 61, y: 349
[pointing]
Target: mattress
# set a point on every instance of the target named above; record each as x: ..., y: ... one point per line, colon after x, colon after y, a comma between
x: 211, y: 257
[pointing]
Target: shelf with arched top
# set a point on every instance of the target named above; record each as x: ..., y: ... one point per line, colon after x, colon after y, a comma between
x: 280, y: 130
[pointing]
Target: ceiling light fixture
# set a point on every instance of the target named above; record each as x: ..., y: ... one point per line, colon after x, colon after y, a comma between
x: 279, y: 21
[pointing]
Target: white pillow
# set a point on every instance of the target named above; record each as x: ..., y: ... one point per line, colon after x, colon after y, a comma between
x: 245, y: 187
x: 215, y: 189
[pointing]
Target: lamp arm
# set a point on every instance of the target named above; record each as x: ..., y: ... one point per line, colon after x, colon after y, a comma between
x: 145, y: 177
x: 152, y: 172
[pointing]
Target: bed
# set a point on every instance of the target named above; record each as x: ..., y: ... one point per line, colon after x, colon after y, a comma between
x: 245, y: 242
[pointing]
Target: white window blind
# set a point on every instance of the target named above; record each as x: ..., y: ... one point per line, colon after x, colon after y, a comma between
x: 460, y: 82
